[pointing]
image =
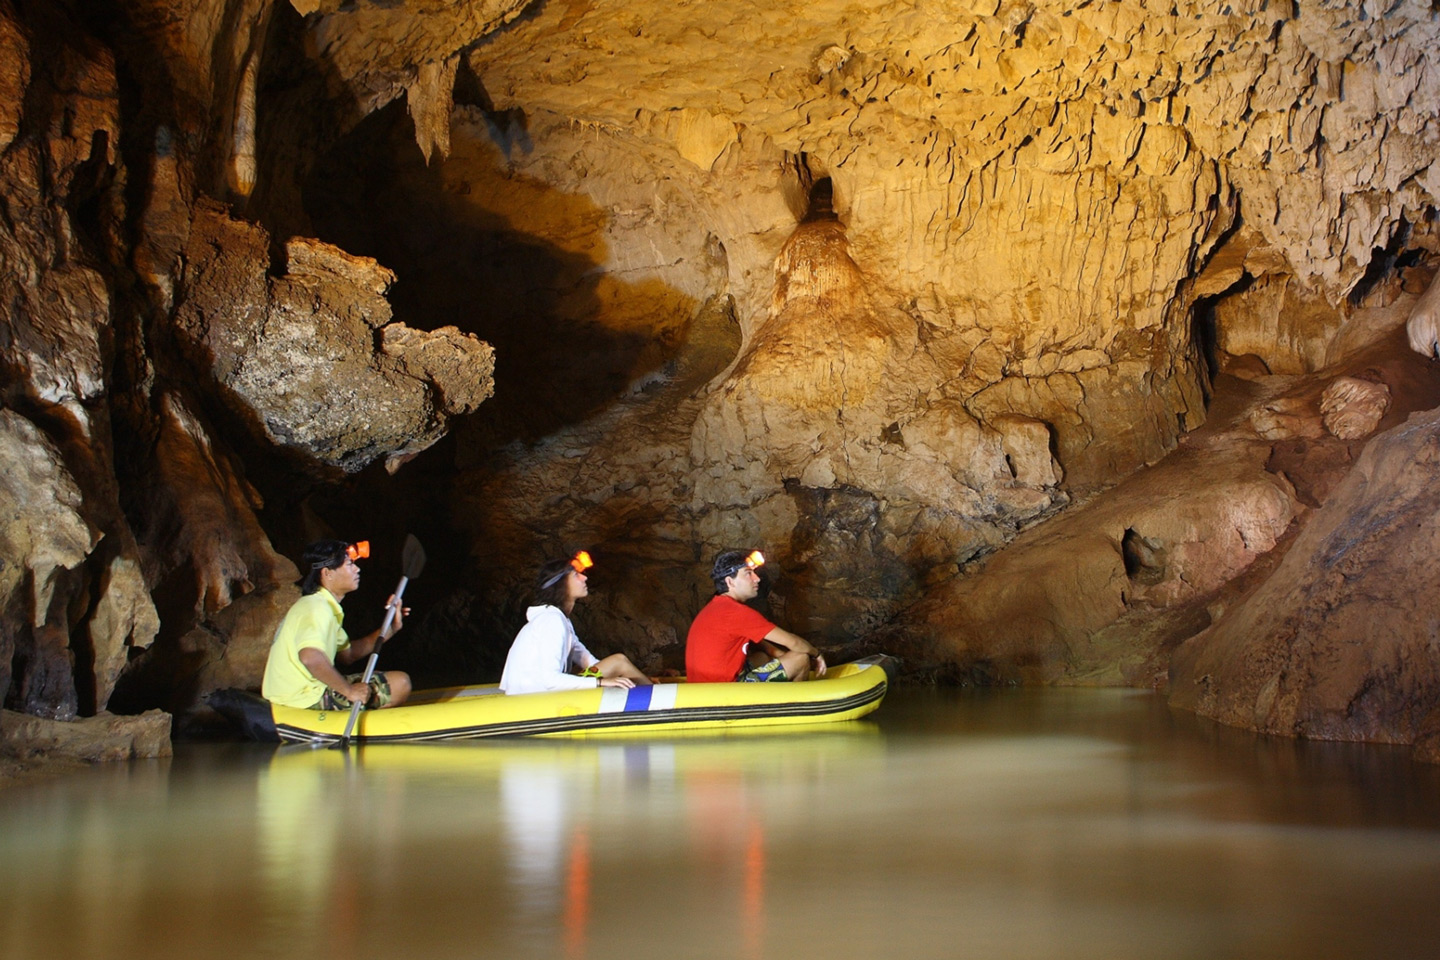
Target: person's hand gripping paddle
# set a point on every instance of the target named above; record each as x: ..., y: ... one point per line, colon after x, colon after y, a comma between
x: 412, y: 561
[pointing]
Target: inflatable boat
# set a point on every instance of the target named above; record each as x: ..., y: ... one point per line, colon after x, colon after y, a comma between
x: 846, y: 692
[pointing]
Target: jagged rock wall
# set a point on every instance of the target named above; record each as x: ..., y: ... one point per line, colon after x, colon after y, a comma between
x: 1172, y: 555
x: 58, y: 509
x: 296, y: 353
x: 1038, y: 184
x: 1060, y: 218
x: 838, y: 391
x: 136, y: 565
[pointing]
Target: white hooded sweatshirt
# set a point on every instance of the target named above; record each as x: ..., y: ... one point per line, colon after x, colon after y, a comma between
x: 544, y: 652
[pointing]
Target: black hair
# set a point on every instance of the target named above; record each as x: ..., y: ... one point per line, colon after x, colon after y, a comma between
x: 726, y: 565
x: 554, y: 593
x: 322, y: 555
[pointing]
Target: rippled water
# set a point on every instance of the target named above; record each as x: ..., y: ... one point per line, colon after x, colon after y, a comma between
x: 1027, y: 824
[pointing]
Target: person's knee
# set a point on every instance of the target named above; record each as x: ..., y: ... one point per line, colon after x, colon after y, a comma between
x: 797, y: 665
x: 615, y: 665
x: 619, y: 665
x: 399, y: 687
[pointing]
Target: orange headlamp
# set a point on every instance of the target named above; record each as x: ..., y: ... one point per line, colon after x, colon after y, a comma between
x: 358, y: 551
x: 756, y: 559
x: 579, y: 563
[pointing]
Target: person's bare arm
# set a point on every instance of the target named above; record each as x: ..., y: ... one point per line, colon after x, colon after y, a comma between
x: 360, y: 648
x: 781, y: 637
x: 784, y: 638
x: 323, y: 670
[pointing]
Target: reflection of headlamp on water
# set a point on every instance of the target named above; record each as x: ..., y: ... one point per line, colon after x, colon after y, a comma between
x: 579, y: 563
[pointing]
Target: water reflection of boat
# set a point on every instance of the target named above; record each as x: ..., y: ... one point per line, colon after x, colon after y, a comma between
x: 847, y: 692
x: 547, y: 832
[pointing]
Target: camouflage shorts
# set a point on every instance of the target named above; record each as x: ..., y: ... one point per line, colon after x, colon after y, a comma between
x: 379, y: 694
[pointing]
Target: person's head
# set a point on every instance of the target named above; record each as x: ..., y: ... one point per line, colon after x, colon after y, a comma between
x: 332, y: 566
x: 734, y: 574
x: 561, y: 582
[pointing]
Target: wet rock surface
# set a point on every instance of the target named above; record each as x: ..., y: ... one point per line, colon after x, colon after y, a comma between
x: 97, y: 738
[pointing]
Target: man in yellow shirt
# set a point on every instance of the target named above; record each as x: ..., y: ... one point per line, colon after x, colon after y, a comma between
x: 301, y: 670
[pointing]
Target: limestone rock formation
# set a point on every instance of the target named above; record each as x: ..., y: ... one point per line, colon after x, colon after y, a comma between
x: 1032, y: 149
x: 1351, y: 406
x: 1423, y: 326
x: 129, y: 521
x: 295, y: 354
x: 43, y: 536
x: 1083, y: 598
x: 101, y: 737
x: 838, y: 391
x: 1103, y: 593
x: 1338, y: 642
x: 201, y: 536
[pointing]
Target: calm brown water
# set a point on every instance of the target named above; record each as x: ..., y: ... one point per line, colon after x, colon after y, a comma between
x: 1031, y: 824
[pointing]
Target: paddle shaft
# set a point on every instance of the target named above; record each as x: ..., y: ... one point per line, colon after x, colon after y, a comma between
x: 374, y: 656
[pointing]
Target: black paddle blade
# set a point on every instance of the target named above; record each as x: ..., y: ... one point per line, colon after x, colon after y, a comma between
x: 412, y: 557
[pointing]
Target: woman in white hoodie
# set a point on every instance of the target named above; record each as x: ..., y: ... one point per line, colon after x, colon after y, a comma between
x: 546, y: 654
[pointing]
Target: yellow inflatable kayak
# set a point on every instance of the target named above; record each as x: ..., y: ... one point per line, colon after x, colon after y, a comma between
x: 847, y: 691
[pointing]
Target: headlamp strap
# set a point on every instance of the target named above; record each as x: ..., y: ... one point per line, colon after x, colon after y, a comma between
x: 579, y: 563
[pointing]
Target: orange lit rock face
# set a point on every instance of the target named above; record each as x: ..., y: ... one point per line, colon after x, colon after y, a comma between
x: 837, y: 391
x: 1038, y: 184
x: 1186, y: 552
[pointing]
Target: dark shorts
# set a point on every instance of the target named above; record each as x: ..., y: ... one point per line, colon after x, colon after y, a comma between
x: 379, y: 694
x: 771, y: 672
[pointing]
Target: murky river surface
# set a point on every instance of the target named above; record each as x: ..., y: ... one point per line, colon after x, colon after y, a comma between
x: 1028, y: 824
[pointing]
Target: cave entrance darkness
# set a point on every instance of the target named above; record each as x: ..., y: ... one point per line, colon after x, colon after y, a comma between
x: 822, y: 201
x: 1205, y: 332
x: 808, y: 189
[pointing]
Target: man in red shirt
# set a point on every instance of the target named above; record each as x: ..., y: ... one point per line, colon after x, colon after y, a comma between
x: 730, y: 641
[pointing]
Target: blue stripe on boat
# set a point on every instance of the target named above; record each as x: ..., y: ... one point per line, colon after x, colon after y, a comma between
x: 638, y: 699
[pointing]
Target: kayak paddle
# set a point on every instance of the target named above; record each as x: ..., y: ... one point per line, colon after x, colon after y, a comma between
x: 412, y: 561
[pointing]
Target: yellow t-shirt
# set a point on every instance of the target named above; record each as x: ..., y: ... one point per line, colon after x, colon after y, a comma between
x: 315, y: 621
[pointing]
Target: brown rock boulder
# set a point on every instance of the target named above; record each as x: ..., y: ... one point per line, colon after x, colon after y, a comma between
x: 1339, y: 643
x: 101, y: 737
x: 1100, y: 593
x: 295, y: 355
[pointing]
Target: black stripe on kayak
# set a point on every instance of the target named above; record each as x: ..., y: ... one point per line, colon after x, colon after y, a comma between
x: 596, y: 721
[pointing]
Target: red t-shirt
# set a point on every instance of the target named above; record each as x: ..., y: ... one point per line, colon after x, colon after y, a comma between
x: 715, y: 646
